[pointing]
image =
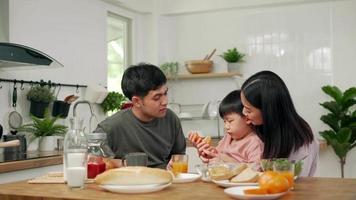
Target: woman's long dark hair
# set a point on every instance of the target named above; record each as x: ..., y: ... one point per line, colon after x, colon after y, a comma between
x: 283, y: 130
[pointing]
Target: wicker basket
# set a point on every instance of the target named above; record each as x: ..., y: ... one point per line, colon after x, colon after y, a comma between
x: 199, y: 66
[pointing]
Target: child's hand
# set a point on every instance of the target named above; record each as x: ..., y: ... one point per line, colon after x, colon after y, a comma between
x: 208, y: 153
x: 194, y: 138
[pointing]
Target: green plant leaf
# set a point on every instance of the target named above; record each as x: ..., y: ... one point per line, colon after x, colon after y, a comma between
x: 332, y: 106
x: 333, y: 92
x: 344, y: 135
x: 40, y: 94
x: 328, y: 135
x: 43, y: 127
x: 233, y: 56
x: 331, y: 120
x: 113, y: 102
x: 348, y: 103
x: 349, y: 94
x: 341, y: 149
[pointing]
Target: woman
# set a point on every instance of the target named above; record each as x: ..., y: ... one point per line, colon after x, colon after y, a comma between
x: 268, y: 106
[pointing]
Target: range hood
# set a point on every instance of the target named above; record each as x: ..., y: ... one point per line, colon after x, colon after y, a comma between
x: 16, y: 55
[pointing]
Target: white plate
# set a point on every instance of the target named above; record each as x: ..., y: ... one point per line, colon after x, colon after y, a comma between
x: 227, y: 183
x: 135, y: 188
x: 238, y: 193
x: 186, y: 178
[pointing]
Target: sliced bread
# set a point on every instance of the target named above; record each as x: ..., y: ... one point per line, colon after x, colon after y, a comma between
x: 246, y: 176
x: 238, y: 169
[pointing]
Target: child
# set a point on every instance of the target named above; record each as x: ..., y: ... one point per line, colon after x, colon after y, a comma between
x: 240, y: 143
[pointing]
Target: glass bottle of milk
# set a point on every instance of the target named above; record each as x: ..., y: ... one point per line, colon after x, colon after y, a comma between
x: 75, y: 155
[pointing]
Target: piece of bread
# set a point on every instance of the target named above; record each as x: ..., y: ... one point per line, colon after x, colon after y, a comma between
x: 134, y: 176
x: 207, y: 140
x: 246, y: 176
x: 220, y: 173
x: 238, y: 169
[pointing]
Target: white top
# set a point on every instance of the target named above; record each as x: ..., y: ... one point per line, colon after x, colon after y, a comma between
x: 310, y: 155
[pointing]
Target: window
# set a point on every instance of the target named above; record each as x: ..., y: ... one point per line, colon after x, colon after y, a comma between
x: 118, y: 47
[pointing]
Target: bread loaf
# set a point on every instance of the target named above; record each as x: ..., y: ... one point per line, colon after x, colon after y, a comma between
x: 246, y: 176
x: 134, y: 176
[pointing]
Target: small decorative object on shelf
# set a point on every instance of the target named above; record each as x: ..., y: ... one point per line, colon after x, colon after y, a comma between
x: 233, y: 57
x: 170, y: 69
x: 199, y: 66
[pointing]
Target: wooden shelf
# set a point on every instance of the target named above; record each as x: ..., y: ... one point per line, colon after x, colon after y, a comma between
x: 206, y: 75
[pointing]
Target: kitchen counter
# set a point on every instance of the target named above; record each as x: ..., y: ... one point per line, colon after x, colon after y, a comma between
x: 305, y: 188
x: 18, y: 161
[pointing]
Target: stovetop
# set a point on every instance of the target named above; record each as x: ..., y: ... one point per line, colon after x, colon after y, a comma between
x: 17, y: 156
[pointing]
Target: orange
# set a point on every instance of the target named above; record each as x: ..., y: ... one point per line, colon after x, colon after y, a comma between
x: 265, y: 177
x: 289, y: 176
x: 277, y: 184
x: 256, y: 191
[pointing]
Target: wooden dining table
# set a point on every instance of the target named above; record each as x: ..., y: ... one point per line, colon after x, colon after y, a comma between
x: 305, y: 189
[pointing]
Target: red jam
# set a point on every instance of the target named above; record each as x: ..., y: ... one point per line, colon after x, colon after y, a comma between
x: 95, y: 168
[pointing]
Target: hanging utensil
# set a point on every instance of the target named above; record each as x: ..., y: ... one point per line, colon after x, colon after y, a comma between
x: 15, y: 118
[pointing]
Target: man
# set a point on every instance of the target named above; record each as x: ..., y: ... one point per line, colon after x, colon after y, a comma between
x: 148, y: 126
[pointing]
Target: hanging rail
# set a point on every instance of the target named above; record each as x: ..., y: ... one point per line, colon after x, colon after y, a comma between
x: 41, y: 82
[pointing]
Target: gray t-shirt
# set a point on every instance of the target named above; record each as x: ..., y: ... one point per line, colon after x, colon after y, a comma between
x: 159, y: 138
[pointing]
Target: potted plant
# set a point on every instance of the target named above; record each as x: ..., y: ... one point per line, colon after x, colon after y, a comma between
x: 233, y: 57
x: 113, y: 102
x: 45, y: 131
x: 170, y: 69
x: 342, y: 121
x: 40, y: 97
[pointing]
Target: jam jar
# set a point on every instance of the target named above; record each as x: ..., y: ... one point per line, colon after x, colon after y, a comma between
x: 98, y: 154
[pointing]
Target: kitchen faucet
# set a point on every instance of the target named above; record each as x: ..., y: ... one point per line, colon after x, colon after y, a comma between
x: 90, y: 108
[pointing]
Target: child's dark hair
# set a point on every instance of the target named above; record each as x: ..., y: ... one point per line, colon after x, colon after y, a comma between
x: 231, y: 104
x: 140, y: 79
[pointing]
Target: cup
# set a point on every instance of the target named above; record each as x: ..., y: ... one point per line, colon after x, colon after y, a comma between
x: 286, y: 169
x: 179, y: 164
x: 76, y: 168
x: 202, y: 170
x: 135, y: 159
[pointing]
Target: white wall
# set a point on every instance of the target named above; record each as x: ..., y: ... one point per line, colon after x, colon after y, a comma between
x: 72, y: 32
x: 308, y: 43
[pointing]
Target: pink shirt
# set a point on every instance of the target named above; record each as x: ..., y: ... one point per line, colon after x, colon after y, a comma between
x: 246, y: 150
x: 309, y: 154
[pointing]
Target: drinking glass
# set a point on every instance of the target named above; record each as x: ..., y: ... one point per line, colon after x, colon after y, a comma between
x: 286, y: 169
x: 179, y: 164
x: 135, y: 159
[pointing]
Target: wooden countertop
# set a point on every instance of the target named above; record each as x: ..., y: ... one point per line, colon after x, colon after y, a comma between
x: 305, y: 188
x: 43, y: 159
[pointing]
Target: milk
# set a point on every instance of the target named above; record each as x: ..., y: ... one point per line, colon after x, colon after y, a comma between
x: 76, y: 159
x: 76, y: 168
x: 76, y: 176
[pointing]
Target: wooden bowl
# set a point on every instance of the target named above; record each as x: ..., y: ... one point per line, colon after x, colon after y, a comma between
x: 199, y: 66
